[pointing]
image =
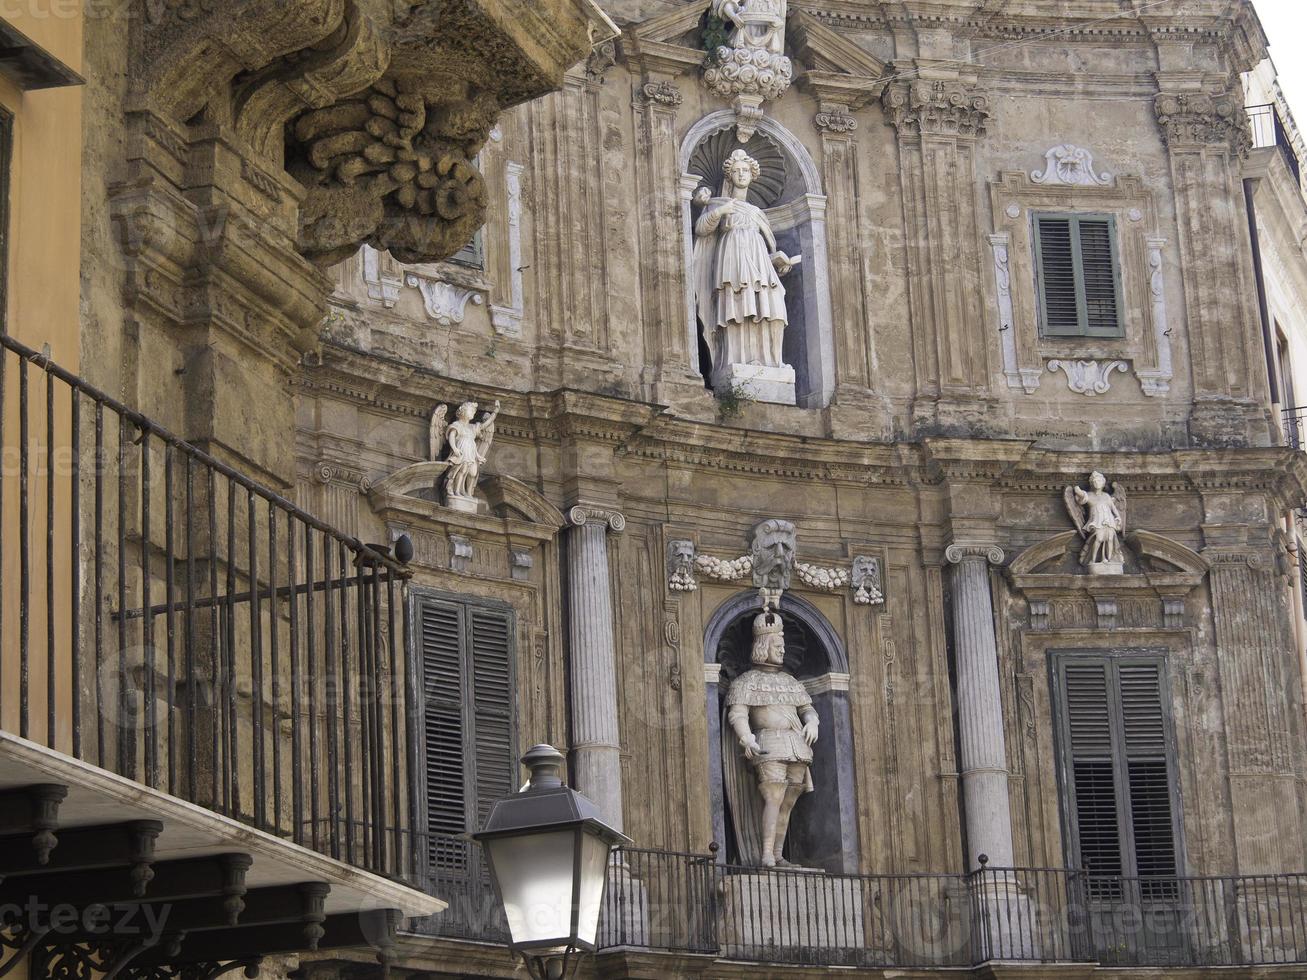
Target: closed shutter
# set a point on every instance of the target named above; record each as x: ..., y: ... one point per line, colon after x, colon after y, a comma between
x: 1117, y: 772
x: 1057, y: 277
x: 1093, y: 771
x: 495, y: 754
x: 1148, y: 782
x: 1079, y: 276
x: 442, y: 632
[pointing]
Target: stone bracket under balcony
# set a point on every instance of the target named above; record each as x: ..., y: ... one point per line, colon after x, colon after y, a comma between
x: 114, y: 878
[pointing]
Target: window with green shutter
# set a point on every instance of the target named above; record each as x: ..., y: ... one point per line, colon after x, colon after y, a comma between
x: 1117, y: 771
x: 467, y: 682
x: 1079, y: 275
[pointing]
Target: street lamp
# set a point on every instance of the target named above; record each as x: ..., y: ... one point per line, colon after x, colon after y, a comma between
x: 548, y: 852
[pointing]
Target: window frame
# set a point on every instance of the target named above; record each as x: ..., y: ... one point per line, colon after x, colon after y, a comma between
x: 1113, y: 660
x: 1083, y: 331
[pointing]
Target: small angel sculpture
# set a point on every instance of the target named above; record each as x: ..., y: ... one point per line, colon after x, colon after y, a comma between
x: 1099, y: 516
x: 469, y: 444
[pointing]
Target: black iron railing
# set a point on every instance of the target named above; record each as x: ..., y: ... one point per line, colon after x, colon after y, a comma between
x: 169, y: 619
x: 1294, y: 422
x: 1268, y: 129
x: 690, y: 903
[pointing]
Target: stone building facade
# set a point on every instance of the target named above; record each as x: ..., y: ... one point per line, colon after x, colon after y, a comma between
x: 951, y: 382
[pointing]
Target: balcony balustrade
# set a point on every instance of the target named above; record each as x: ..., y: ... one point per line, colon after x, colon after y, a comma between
x: 167, y: 619
x: 1268, y: 129
x: 662, y: 901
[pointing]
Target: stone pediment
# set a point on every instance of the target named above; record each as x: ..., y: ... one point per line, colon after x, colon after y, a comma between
x: 410, y: 495
x: 822, y: 56
x: 1154, y: 563
x: 832, y: 62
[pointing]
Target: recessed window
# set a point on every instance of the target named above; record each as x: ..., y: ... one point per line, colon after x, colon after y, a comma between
x: 1079, y: 275
x: 1117, y: 773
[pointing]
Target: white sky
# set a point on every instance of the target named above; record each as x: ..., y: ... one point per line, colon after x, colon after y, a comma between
x: 1285, y: 22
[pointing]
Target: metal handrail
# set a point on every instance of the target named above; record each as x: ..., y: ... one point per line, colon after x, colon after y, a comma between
x: 271, y: 683
x: 142, y: 422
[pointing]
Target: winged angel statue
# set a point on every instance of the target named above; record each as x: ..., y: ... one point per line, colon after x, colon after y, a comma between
x: 1099, y: 516
x: 469, y: 444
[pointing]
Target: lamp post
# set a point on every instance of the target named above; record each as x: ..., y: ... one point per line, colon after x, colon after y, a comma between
x: 547, y: 852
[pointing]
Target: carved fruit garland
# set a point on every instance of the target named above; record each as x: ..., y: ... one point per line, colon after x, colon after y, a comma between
x: 393, y: 162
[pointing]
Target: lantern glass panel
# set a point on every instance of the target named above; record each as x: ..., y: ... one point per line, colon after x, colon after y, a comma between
x: 535, y: 875
x: 594, y: 870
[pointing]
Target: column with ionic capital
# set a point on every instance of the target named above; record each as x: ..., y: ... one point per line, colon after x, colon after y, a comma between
x: 982, y: 752
x: 596, y: 750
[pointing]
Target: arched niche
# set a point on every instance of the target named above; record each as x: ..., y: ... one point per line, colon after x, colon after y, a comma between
x: 823, y: 828
x: 799, y: 220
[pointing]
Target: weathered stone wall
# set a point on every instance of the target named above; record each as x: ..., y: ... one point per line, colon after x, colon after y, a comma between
x: 947, y: 423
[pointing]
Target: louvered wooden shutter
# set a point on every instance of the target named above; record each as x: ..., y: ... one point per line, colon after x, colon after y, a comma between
x: 442, y: 632
x: 1117, y: 771
x: 1079, y: 280
x: 467, y: 671
x: 492, y: 673
x: 1148, y: 782
x: 1093, y: 770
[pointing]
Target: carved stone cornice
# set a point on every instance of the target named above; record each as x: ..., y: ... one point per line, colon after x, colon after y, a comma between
x: 1195, y: 120
x: 935, y: 108
x: 583, y: 514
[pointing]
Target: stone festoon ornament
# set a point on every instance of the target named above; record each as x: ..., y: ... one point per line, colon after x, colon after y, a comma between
x: 468, y: 443
x: 772, y: 725
x: 1099, y: 516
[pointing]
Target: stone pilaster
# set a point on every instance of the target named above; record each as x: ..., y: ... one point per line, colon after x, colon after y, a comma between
x: 983, y: 752
x: 1206, y: 134
x: 671, y: 346
x: 938, y: 118
x: 596, y: 751
x: 839, y: 166
x: 1257, y: 665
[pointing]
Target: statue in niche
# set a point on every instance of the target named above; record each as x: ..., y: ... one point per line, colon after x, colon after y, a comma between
x: 1099, y: 516
x: 468, y: 443
x: 771, y: 726
x: 738, y: 290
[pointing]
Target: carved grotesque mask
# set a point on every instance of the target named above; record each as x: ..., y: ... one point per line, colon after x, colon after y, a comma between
x: 773, y: 554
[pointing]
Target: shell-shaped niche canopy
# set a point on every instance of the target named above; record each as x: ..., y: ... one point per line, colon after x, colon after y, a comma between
x: 712, y: 151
